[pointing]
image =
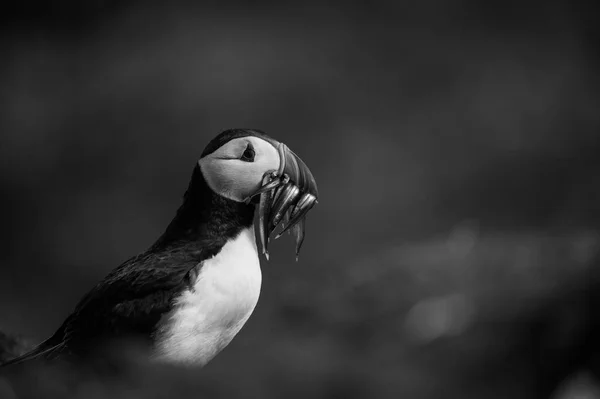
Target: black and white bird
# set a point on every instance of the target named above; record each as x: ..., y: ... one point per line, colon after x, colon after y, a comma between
x: 191, y: 292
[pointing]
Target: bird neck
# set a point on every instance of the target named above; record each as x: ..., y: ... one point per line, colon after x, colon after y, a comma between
x: 206, y: 217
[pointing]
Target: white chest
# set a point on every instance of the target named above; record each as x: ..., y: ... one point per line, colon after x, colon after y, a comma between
x: 205, y: 319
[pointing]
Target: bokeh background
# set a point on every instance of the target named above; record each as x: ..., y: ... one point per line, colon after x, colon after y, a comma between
x: 455, y: 249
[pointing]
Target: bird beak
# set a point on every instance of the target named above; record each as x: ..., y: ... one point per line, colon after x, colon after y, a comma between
x: 286, y: 196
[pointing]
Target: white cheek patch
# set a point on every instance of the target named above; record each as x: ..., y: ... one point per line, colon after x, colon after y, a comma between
x: 221, y: 177
x: 236, y: 179
x: 267, y: 157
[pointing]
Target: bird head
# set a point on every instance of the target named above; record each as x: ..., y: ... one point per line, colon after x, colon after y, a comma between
x: 246, y: 165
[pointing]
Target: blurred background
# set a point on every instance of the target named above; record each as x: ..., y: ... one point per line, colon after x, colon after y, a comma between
x: 455, y: 250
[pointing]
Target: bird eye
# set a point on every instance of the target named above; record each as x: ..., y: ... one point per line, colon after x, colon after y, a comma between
x: 248, y: 155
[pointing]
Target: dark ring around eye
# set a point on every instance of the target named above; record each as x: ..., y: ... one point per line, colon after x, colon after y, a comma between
x: 249, y: 154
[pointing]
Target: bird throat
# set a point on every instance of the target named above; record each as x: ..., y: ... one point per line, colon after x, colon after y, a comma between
x: 206, y: 216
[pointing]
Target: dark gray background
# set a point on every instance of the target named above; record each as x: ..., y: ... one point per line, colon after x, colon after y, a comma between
x: 455, y: 143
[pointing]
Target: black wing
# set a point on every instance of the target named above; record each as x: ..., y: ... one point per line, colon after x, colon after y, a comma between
x: 129, y: 301
x: 49, y: 345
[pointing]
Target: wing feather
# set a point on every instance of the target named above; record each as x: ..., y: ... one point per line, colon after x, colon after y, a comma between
x: 129, y: 300
x: 50, y: 346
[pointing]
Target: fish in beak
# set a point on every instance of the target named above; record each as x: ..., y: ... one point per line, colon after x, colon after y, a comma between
x: 286, y: 196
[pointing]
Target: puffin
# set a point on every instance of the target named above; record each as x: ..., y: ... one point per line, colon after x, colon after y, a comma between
x: 190, y: 293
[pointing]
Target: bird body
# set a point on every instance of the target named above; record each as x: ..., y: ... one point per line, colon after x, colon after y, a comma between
x: 191, y: 292
x: 206, y: 316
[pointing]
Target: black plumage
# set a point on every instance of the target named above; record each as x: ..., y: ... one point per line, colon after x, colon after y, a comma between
x: 130, y: 301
